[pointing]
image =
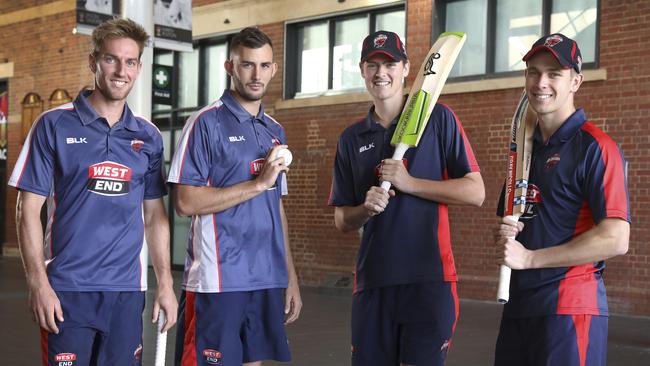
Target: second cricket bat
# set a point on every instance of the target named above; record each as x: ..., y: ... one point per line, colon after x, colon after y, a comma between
x: 424, y: 93
x: 519, y: 157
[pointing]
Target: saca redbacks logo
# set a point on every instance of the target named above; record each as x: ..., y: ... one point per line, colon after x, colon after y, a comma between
x: 109, y: 178
x: 211, y: 356
x: 380, y: 40
x: 136, y: 145
x: 65, y: 359
x: 552, y: 40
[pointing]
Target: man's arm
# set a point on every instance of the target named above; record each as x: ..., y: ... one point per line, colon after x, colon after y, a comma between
x: 468, y: 190
x: 293, y: 302
x: 608, y: 239
x: 351, y: 218
x: 43, y: 302
x: 156, y: 226
x: 194, y: 200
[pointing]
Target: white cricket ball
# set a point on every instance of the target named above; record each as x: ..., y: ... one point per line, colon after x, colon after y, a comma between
x: 286, y: 154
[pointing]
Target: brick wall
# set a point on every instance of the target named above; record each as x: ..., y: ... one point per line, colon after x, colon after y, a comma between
x: 47, y: 56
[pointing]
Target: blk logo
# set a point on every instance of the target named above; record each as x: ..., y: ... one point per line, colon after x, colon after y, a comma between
x: 236, y: 138
x: 76, y: 140
x: 367, y: 147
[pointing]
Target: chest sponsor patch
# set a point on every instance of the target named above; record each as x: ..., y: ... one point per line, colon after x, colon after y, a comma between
x: 256, y: 166
x: 211, y: 356
x: 109, y: 178
x: 65, y: 359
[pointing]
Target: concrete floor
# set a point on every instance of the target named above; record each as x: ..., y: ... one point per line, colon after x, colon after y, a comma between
x: 320, y: 337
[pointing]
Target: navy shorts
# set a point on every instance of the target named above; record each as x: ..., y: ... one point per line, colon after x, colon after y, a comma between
x: 558, y: 340
x: 230, y: 328
x: 412, y: 324
x: 99, y: 328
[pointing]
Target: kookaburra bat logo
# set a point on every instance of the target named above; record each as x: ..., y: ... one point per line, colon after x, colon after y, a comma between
x: 428, y: 68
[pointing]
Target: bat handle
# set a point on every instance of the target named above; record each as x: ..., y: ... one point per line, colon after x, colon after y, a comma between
x: 398, y: 154
x: 503, y: 291
x: 161, y: 341
x: 385, y: 185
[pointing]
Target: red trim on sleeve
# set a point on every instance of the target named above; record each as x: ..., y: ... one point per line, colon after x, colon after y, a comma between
x: 468, y: 148
x: 614, y: 177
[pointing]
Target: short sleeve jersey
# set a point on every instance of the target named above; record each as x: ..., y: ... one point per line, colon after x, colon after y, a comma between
x: 410, y: 241
x: 240, y: 248
x: 577, y: 179
x: 96, y: 178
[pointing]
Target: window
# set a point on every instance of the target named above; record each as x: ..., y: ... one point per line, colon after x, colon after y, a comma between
x: 199, y: 79
x: 323, y: 55
x: 500, y: 32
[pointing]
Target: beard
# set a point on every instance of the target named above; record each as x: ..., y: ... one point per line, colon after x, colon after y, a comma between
x: 247, y: 94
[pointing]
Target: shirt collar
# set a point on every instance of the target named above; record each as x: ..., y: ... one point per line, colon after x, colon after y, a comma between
x: 88, y: 115
x: 566, y: 131
x: 370, y: 125
x: 238, y: 111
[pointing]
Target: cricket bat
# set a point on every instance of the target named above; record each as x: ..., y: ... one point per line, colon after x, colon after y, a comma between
x: 161, y: 341
x: 424, y: 93
x: 523, y: 126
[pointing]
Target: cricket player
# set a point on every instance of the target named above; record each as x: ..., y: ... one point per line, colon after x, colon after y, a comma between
x: 100, y: 168
x: 405, y: 304
x: 577, y: 216
x: 240, y: 287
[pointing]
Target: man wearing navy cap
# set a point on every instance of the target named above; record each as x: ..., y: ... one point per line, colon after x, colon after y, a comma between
x: 405, y: 304
x: 101, y: 169
x: 577, y: 216
x: 240, y: 287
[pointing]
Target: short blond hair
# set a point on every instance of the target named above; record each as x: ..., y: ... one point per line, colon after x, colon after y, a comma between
x: 118, y: 28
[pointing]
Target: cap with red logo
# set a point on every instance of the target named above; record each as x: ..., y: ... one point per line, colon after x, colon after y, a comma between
x: 383, y: 42
x: 563, y: 48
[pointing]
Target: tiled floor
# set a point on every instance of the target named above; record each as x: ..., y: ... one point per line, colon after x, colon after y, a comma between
x: 320, y: 337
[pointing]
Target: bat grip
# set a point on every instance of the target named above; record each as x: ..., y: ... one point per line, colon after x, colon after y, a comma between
x: 503, y: 291
x: 398, y: 154
x: 161, y: 341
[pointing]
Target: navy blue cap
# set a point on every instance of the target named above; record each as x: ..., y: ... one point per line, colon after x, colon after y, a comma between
x: 383, y: 42
x: 563, y: 48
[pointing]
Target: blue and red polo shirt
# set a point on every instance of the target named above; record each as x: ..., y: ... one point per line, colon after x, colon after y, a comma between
x: 95, y: 178
x: 410, y: 241
x: 240, y: 248
x: 577, y: 179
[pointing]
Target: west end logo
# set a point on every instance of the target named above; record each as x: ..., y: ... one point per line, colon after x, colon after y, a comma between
x: 211, y: 356
x: 109, y: 178
x: 65, y: 359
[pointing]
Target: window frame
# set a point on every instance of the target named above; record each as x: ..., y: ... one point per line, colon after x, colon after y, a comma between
x: 440, y: 24
x: 292, y: 55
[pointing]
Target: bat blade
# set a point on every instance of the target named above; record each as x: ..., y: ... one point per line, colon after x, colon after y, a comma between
x: 523, y: 126
x: 424, y: 93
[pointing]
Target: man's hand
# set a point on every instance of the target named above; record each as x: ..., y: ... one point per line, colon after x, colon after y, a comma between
x: 45, y: 306
x: 377, y: 200
x: 272, y: 168
x: 395, y: 172
x: 165, y: 300
x: 292, y: 302
x: 512, y: 253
